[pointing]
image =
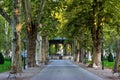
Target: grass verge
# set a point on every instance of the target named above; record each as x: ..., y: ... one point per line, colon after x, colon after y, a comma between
x: 4, y: 67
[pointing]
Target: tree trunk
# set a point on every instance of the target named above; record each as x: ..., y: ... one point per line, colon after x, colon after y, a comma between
x: 116, y: 65
x: 38, y: 49
x: 43, y: 49
x: 93, y: 32
x: 16, y: 36
x: 97, y: 33
x: 77, y: 52
x: 14, y: 22
x: 32, y: 24
x: 97, y: 46
x: 6, y: 35
x: 81, y: 55
x: 32, y: 36
x: 77, y: 56
x: 46, y: 50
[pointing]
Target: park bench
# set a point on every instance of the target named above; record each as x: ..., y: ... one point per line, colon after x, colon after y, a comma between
x: 12, y: 72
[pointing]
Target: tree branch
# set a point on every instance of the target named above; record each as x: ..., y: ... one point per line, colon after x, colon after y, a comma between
x: 5, y: 15
x: 27, y: 11
x: 42, y: 4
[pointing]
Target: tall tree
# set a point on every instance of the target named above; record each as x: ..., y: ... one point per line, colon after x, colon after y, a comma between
x: 96, y: 31
x: 16, y: 35
x: 116, y: 65
x: 16, y: 28
x: 32, y: 20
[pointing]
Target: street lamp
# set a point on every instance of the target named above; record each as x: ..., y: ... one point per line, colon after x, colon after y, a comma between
x: 24, y: 55
x: 102, y: 55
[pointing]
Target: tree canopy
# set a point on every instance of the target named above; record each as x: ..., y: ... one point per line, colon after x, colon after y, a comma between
x: 86, y: 21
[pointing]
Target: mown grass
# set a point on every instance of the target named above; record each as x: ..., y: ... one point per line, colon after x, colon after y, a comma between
x: 108, y: 64
x: 4, y: 67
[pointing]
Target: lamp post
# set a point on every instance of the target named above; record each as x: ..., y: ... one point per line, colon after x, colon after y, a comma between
x: 102, y: 56
x: 24, y: 57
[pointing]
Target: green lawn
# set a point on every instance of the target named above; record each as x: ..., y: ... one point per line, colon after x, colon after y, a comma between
x: 109, y: 64
x: 4, y: 67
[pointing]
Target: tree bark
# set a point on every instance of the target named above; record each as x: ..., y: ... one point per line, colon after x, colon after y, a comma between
x: 43, y: 49
x: 77, y: 56
x: 93, y: 32
x: 97, y: 33
x: 117, y: 59
x: 31, y: 25
x: 81, y: 55
x: 38, y: 48
x: 32, y: 36
x: 46, y: 50
x: 16, y: 36
x: 16, y: 28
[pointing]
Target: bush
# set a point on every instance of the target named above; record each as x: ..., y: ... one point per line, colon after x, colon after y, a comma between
x: 1, y: 58
x: 110, y: 58
x: 7, y: 59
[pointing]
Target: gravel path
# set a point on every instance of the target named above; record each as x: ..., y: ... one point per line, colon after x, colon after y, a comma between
x: 106, y: 73
x: 26, y: 75
x: 30, y: 72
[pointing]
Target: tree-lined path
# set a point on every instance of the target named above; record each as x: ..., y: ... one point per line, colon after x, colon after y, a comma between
x: 34, y: 31
x: 64, y: 70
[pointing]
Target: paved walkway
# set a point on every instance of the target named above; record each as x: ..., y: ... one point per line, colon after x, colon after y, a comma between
x: 31, y: 72
x: 65, y: 70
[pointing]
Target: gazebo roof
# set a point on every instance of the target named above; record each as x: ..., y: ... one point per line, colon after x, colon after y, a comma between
x: 57, y: 40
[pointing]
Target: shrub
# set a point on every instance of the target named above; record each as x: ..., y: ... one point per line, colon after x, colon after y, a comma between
x: 7, y: 59
x: 110, y: 58
x: 1, y: 58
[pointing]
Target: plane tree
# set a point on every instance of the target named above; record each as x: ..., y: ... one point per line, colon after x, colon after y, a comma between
x: 85, y: 21
x: 96, y: 15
